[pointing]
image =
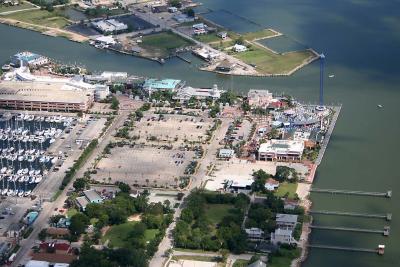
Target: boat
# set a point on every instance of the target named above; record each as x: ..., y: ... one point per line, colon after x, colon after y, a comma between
x: 380, y: 106
x: 331, y: 76
x: 27, y: 193
x: 6, y: 67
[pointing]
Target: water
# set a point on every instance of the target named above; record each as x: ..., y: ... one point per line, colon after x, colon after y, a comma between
x: 360, y: 39
x: 282, y: 44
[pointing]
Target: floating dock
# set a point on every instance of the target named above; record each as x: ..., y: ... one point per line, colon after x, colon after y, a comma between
x: 387, y: 217
x: 385, y: 231
x: 387, y: 194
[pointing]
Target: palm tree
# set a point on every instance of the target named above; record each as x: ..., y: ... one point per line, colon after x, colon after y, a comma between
x: 147, y: 181
x: 176, y: 181
x: 155, y: 182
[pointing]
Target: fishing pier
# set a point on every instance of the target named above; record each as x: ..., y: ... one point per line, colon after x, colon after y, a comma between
x: 387, y: 194
x: 387, y: 217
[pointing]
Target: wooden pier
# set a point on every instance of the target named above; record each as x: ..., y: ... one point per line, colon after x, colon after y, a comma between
x: 387, y: 194
x: 385, y: 231
x: 387, y: 217
x: 344, y: 248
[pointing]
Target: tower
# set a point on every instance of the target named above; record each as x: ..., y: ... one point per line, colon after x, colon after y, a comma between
x: 321, y: 80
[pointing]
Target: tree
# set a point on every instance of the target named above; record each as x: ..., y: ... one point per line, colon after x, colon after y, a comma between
x: 125, y: 188
x: 175, y: 3
x: 79, y: 222
x: 42, y: 234
x: 114, y: 103
x: 80, y: 184
x: 190, y: 12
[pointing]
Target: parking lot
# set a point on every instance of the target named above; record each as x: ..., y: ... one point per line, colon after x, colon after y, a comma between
x: 172, y: 129
x: 143, y: 166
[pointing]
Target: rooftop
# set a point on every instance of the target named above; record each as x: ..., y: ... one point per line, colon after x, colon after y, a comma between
x: 92, y: 196
x: 282, y: 146
x: 286, y: 218
x: 166, y: 84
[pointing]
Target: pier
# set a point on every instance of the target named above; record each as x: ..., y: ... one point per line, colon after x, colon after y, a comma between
x: 385, y: 231
x: 387, y: 217
x: 345, y: 248
x: 387, y: 194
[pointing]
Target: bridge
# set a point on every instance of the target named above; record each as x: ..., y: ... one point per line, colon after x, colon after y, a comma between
x: 387, y: 194
x: 387, y: 217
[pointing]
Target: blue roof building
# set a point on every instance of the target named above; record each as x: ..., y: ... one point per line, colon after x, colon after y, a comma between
x: 28, y: 59
x: 151, y: 85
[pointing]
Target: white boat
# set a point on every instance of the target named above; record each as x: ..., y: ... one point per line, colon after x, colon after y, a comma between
x: 38, y: 179
x: 4, y: 191
x: 20, y: 193
x: 27, y: 193
x: 52, y: 140
x: 3, y: 170
x: 331, y: 76
x: 380, y: 106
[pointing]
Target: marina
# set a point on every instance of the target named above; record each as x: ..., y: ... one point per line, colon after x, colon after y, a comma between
x: 24, y: 140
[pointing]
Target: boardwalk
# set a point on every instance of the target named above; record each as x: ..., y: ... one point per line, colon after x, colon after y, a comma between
x: 387, y: 194
x: 344, y: 248
x: 387, y: 216
x: 384, y: 231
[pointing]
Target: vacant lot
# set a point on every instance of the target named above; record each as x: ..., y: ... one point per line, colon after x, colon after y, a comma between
x: 250, y: 36
x: 172, y: 129
x: 216, y: 212
x: 268, y: 62
x: 286, y: 188
x: 23, y: 5
x: 144, y: 166
x: 118, y: 234
x: 40, y: 17
x: 162, y: 44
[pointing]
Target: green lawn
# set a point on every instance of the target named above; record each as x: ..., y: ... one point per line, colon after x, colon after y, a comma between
x: 118, y: 234
x: 271, y: 63
x: 240, y: 263
x: 41, y: 18
x: 208, y: 38
x: 258, y: 35
x: 23, y: 5
x: 216, y: 212
x: 285, y: 259
x: 286, y: 187
x: 161, y: 44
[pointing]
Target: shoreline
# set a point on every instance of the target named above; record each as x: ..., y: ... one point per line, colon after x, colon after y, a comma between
x: 306, y: 203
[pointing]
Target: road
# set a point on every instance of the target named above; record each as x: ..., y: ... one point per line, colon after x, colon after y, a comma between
x: 197, y: 180
x: 48, y: 208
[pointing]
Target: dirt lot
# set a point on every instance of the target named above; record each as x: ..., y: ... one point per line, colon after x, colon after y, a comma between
x: 145, y: 166
x: 174, y: 129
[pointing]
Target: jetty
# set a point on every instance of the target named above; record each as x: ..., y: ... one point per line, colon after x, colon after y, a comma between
x: 387, y: 217
x: 385, y: 231
x: 387, y: 194
x: 380, y: 250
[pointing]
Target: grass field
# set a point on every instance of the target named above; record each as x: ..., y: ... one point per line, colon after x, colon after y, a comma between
x: 23, y: 5
x: 71, y: 212
x: 250, y: 36
x: 285, y: 188
x: 216, y: 212
x: 40, y: 17
x: 285, y: 259
x: 208, y: 38
x: 240, y: 263
x: 268, y: 62
x: 118, y: 234
x: 162, y: 44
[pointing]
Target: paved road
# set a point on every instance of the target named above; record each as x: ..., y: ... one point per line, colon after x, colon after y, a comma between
x: 48, y: 208
x: 197, y: 180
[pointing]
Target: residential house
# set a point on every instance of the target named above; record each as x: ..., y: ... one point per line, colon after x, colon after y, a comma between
x: 286, y: 221
x: 225, y: 66
x: 89, y: 196
x: 255, y: 234
x: 15, y: 230
x: 222, y: 35
x: 271, y: 184
x: 290, y: 204
x: 239, y: 48
x: 282, y: 236
x: 57, y: 233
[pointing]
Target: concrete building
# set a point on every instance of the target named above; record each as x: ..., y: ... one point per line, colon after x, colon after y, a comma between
x: 43, y: 96
x: 226, y: 153
x: 282, y: 236
x: 225, y: 66
x: 89, y: 196
x: 240, y: 185
x: 285, y: 150
x: 152, y: 85
x: 255, y: 234
x: 28, y: 59
x: 259, y: 98
x: 109, y: 26
x: 188, y: 92
x: 286, y: 221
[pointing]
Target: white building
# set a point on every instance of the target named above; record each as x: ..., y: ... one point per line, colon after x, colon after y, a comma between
x: 29, y: 59
x: 286, y: 221
x: 281, y: 236
x: 109, y: 26
x: 285, y: 150
x: 271, y: 184
x: 226, y: 153
x: 239, y: 48
x: 259, y: 98
x: 188, y: 92
x: 255, y: 234
x: 106, y: 40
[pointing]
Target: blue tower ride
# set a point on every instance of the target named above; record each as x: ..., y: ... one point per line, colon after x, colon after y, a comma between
x: 321, y: 80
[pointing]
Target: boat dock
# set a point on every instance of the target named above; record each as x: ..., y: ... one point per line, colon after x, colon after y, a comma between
x: 387, y: 194
x: 385, y: 231
x: 346, y: 248
x: 387, y: 217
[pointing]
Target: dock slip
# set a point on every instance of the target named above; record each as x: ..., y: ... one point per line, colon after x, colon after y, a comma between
x: 385, y: 231
x: 387, y: 217
x: 387, y: 194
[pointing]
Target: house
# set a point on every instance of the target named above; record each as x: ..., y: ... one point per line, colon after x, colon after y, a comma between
x: 285, y: 150
x: 239, y: 185
x: 257, y: 263
x: 290, y: 204
x: 172, y: 9
x: 56, y: 247
x: 57, y: 233
x: 259, y: 98
x: 226, y: 153
x: 271, y: 184
x: 282, y: 236
x: 15, y: 230
x: 81, y: 202
x: 63, y: 223
x: 93, y: 196
x: 199, y: 26
x: 199, y: 31
x: 286, y: 221
x: 159, y: 8
x: 254, y: 234
x: 55, y: 252
x: 205, y: 54
x: 222, y: 35
x: 239, y: 48
x: 225, y: 66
